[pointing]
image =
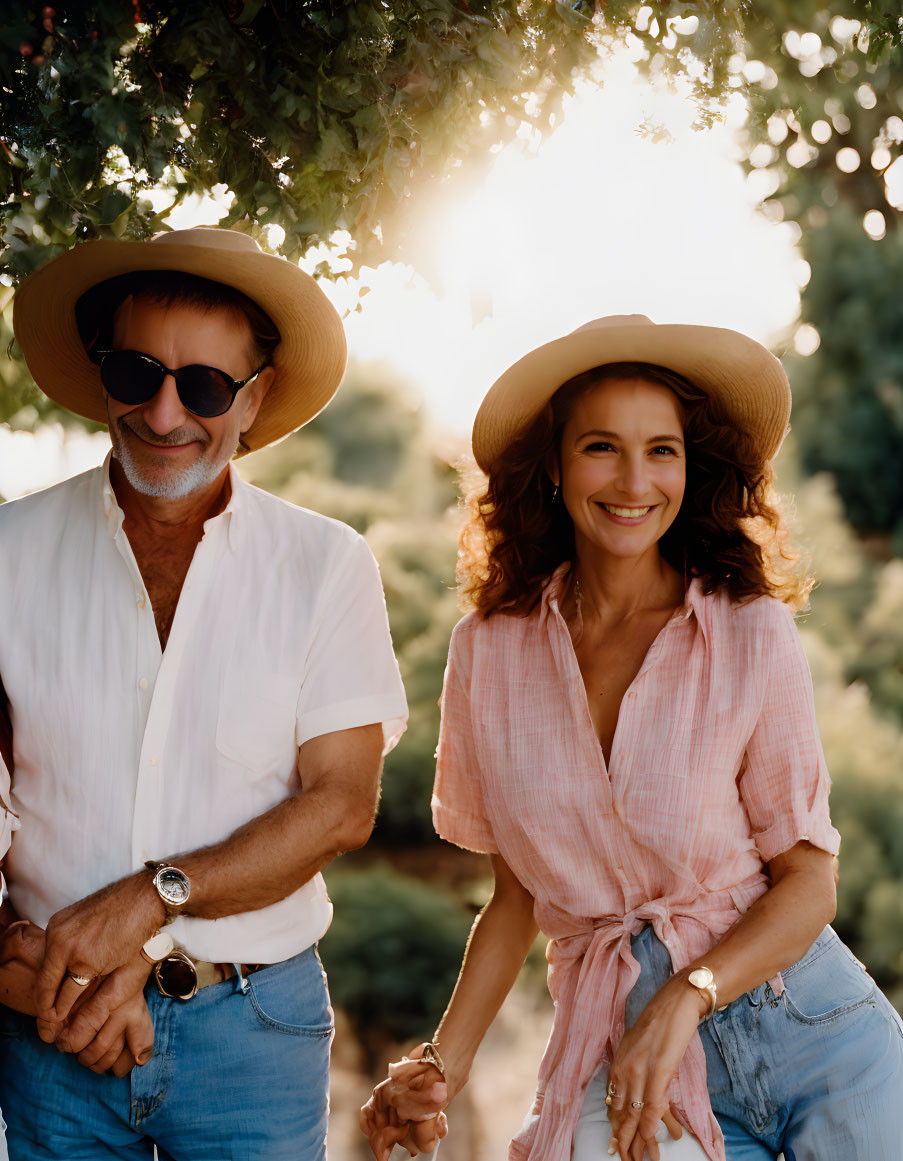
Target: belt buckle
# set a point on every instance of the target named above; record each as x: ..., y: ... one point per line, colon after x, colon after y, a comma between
x: 176, y: 976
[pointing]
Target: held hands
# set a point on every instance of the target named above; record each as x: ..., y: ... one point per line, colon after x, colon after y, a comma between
x: 647, y: 1059
x: 406, y: 1109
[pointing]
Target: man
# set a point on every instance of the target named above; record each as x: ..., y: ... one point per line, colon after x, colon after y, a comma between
x: 201, y: 686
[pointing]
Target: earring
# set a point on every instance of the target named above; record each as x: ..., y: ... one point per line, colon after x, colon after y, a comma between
x: 555, y: 494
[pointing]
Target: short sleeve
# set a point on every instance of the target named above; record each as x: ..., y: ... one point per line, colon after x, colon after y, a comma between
x: 784, y: 783
x: 458, y: 811
x: 351, y: 677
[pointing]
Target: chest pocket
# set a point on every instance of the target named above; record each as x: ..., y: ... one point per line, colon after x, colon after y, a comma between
x: 256, y: 723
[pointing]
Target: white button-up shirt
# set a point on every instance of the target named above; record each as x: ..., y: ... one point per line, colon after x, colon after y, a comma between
x: 124, y: 752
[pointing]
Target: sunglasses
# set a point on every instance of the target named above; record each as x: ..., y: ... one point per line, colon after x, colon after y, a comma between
x: 133, y: 378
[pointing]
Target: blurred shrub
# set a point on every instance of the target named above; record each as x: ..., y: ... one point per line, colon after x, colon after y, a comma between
x: 392, y: 954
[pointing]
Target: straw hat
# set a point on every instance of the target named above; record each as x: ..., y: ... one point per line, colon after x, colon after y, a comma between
x: 309, y: 361
x: 746, y: 380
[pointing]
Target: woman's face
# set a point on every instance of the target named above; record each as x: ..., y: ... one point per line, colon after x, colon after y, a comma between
x: 622, y: 466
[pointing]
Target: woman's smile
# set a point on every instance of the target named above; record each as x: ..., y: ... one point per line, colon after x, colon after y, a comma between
x: 625, y: 515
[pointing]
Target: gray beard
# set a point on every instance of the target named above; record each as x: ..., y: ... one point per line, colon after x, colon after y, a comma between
x: 179, y: 482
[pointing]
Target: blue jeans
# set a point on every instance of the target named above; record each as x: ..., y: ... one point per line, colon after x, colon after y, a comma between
x: 816, y: 1073
x: 238, y: 1074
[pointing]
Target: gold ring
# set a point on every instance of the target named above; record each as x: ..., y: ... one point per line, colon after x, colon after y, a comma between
x: 637, y: 1104
x: 611, y: 1088
x: 82, y: 981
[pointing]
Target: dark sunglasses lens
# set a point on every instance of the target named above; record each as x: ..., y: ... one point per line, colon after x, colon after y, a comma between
x: 129, y: 377
x: 204, y: 390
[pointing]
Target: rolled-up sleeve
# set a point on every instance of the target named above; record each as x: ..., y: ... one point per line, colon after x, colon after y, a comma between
x: 351, y: 678
x: 458, y: 809
x: 784, y: 783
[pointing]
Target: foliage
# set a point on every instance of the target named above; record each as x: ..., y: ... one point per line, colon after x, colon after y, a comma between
x: 853, y: 634
x: 392, y: 954
x: 317, y: 116
x: 824, y: 144
x: 367, y: 460
x: 848, y: 396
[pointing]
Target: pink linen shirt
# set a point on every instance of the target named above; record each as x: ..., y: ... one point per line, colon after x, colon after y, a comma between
x: 716, y: 767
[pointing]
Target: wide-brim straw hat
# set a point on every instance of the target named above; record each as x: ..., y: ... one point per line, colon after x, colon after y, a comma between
x: 746, y: 381
x: 309, y: 361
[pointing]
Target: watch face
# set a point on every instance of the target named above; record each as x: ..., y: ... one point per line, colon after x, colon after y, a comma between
x: 701, y: 978
x: 173, y: 885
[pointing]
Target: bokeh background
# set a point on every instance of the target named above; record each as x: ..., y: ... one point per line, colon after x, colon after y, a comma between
x: 467, y: 180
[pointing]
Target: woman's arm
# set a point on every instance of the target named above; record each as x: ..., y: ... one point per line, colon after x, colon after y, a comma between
x: 774, y: 933
x: 501, y: 937
x: 498, y: 944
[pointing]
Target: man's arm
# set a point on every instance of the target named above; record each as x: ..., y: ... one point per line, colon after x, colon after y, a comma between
x: 262, y: 862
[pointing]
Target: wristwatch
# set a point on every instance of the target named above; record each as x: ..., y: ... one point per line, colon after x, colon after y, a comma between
x: 173, y: 886
x: 158, y: 947
x: 703, y: 980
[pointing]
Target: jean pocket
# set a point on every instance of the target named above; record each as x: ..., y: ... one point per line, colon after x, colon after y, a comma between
x: 827, y: 983
x: 292, y: 997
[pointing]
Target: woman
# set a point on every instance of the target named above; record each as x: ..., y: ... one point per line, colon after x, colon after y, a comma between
x: 628, y: 730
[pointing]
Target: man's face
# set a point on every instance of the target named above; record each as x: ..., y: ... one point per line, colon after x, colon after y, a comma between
x: 165, y: 450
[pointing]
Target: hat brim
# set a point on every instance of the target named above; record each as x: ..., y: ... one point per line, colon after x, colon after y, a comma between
x: 745, y: 379
x: 309, y: 361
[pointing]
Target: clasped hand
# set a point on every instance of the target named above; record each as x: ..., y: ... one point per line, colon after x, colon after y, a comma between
x: 105, y: 1022
x: 406, y: 1109
x: 647, y: 1060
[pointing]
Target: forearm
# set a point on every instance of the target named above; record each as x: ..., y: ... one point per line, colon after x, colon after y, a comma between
x: 498, y: 944
x: 279, y: 851
x: 274, y: 854
x: 778, y: 928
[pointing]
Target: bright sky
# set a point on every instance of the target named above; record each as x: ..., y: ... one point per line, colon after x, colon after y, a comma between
x: 596, y: 220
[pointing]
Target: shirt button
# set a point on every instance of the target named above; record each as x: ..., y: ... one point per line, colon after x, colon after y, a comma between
x: 153, y: 760
x: 143, y: 683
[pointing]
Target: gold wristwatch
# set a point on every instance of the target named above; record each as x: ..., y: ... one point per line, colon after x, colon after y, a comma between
x: 703, y: 980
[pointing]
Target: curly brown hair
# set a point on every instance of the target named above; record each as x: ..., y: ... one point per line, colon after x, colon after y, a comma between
x: 730, y: 531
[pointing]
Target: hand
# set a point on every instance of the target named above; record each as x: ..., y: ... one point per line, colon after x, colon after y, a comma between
x: 647, y: 1059
x: 384, y: 1130
x: 406, y: 1109
x: 22, y: 942
x: 110, y: 1027
x: 93, y: 938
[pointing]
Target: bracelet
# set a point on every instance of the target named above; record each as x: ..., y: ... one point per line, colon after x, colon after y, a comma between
x: 431, y: 1055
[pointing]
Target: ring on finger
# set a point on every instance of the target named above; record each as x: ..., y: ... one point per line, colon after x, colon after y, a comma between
x: 82, y: 981
x: 637, y: 1105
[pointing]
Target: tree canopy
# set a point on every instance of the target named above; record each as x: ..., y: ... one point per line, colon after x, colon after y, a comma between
x: 315, y: 114
x: 826, y: 90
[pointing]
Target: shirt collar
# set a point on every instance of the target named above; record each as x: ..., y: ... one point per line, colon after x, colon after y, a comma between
x: 230, y: 515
